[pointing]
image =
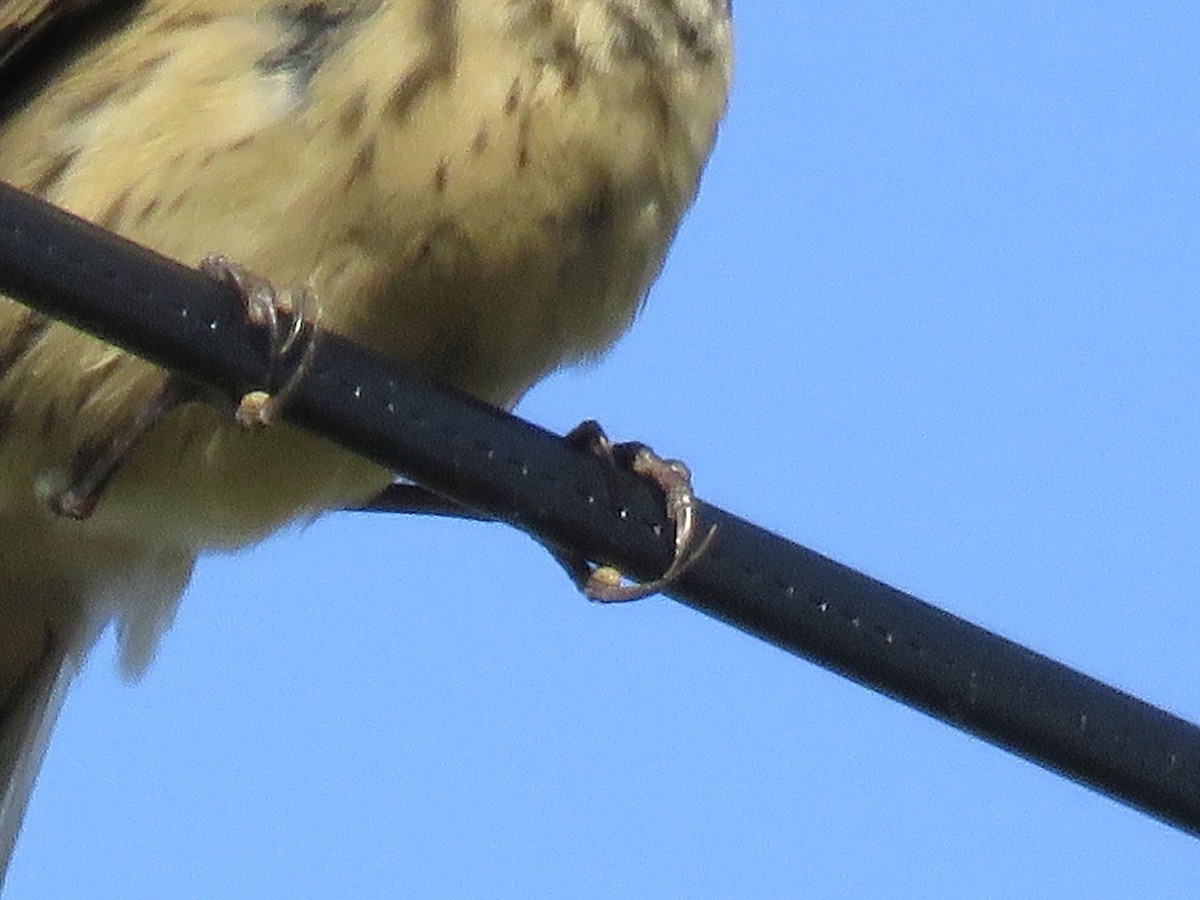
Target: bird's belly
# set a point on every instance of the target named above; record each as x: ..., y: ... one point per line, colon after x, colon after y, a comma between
x: 457, y: 201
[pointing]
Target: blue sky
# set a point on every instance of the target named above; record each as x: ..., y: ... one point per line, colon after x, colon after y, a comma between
x: 934, y: 315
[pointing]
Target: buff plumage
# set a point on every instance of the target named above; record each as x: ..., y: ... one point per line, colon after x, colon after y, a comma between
x: 483, y: 188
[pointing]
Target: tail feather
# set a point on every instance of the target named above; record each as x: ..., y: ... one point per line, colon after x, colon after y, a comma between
x: 29, y: 705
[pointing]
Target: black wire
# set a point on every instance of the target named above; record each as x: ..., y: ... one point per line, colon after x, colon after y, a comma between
x: 514, y: 471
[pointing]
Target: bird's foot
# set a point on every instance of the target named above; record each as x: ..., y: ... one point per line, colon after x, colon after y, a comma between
x: 289, y: 316
x: 606, y: 583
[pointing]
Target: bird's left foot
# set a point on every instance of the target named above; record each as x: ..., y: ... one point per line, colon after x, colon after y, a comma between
x: 289, y: 317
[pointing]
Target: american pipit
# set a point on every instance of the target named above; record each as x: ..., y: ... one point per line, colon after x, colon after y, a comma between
x: 483, y: 188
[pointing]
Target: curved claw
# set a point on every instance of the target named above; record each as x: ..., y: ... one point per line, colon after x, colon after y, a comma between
x: 605, y: 583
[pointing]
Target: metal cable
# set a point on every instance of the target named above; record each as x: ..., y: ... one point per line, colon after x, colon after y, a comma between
x: 514, y: 471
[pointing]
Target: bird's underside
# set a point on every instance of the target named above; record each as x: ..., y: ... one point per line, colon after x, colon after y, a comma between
x: 482, y: 188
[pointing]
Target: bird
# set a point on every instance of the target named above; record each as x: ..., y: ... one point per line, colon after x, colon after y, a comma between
x: 484, y: 190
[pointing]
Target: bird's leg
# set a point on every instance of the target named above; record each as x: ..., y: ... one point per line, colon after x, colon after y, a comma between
x: 602, y: 583
x: 94, y: 467
x: 289, y: 318
x: 675, y: 480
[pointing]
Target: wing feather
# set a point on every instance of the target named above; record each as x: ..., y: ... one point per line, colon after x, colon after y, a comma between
x: 29, y: 705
